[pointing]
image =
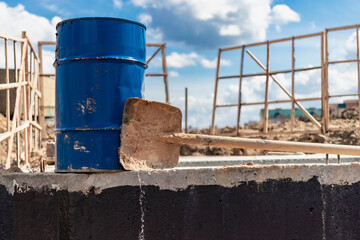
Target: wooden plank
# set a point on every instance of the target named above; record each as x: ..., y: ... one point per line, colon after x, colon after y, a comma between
x: 42, y: 109
x: 280, y: 101
x: 35, y: 124
x: 154, y: 44
x: 269, y: 102
x: 7, y: 81
x: 227, y: 105
x: 292, y: 84
x: 46, y: 43
x: 308, y: 35
x: 32, y: 108
x: 26, y: 103
x: 240, y: 89
x: 358, y: 67
x: 246, y: 143
x: 271, y: 73
x: 155, y: 74
x: 34, y: 88
x: 45, y: 74
x: 271, y: 41
x: 212, y: 129
x: 342, y: 28
x: 271, y: 133
x: 151, y: 58
x: 6, y: 135
x: 307, y: 114
x: 266, y: 110
x: 186, y: 110
x: 231, y: 48
x: 17, y: 102
x: 246, y: 45
x: 342, y: 61
x: 326, y: 82
x: 32, y: 48
x: 163, y: 51
x: 12, y: 38
x: 7, y: 100
x: 18, y: 118
x: 4, y: 86
x: 344, y: 95
x: 323, y: 91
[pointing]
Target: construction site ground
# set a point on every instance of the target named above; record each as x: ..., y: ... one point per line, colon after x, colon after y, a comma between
x: 342, y: 136
x: 348, y: 120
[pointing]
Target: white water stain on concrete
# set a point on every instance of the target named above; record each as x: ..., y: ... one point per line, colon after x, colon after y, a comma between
x: 142, y: 219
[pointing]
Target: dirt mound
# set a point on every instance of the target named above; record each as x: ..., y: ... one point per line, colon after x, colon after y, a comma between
x: 350, y: 113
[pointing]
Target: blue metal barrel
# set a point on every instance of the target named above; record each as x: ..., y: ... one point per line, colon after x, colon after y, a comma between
x: 100, y: 63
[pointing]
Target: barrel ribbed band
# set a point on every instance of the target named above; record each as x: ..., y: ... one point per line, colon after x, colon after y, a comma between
x: 129, y: 60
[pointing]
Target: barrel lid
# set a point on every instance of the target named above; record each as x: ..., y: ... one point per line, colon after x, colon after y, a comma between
x: 100, y: 18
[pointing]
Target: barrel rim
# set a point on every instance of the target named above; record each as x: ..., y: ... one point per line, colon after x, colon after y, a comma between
x: 100, y: 18
x: 103, y: 58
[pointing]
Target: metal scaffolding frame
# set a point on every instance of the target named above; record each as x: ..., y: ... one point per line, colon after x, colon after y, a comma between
x: 161, y: 47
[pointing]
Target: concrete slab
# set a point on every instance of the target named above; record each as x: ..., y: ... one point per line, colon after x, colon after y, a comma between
x: 285, y: 201
x: 205, y: 161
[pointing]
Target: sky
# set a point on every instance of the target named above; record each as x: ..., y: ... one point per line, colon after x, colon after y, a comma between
x: 194, y: 30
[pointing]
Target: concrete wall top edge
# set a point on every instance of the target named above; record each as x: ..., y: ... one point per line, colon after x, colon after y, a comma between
x: 177, y: 179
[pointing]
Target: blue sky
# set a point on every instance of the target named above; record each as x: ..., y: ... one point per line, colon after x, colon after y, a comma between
x: 195, y: 29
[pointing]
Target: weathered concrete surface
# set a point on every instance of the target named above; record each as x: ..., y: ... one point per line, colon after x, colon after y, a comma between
x: 239, y: 202
x: 212, y: 161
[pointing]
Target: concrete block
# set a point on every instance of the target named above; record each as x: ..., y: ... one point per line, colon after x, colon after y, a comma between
x: 240, y: 202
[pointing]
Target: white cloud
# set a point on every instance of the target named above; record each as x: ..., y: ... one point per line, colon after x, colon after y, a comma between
x: 117, y: 4
x: 200, y: 107
x: 199, y: 110
x: 14, y: 20
x: 48, y: 57
x: 282, y: 14
x: 252, y: 89
x: 145, y: 18
x: 174, y: 74
x: 213, y: 23
x: 304, y: 78
x: 17, y: 19
x: 154, y: 35
x: 212, y: 63
x: 343, y: 79
x: 341, y: 48
x: 57, y: 9
x: 180, y: 60
x: 230, y: 30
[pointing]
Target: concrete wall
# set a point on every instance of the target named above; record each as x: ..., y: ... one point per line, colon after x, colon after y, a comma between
x: 240, y: 202
x: 3, y: 92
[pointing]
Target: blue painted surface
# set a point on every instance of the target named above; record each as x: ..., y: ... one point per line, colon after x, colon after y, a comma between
x: 100, y: 63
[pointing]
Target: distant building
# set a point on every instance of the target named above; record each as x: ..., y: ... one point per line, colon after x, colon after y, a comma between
x: 336, y: 109
x: 279, y: 115
x: 351, y: 103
